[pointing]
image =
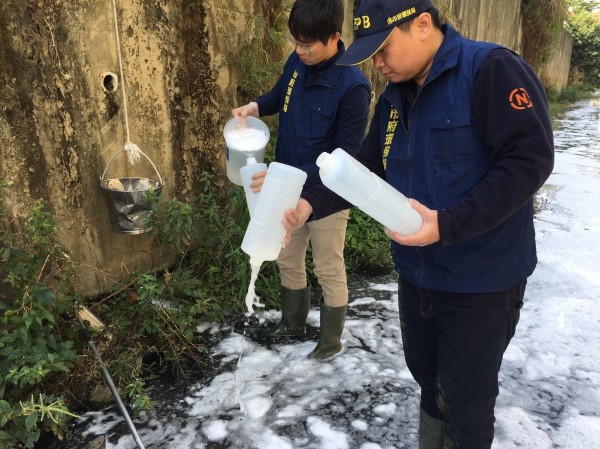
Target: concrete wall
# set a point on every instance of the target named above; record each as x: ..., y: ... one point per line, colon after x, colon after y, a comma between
x: 556, y: 71
x: 487, y: 20
x: 59, y: 125
x: 501, y: 22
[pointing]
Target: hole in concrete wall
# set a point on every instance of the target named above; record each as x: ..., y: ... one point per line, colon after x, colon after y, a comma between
x: 110, y: 82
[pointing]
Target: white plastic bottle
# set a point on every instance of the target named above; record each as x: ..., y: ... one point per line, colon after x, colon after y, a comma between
x: 354, y: 182
x: 280, y: 192
x: 246, y: 173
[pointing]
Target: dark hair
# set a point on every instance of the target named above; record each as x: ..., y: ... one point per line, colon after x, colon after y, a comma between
x: 435, y: 18
x: 316, y: 20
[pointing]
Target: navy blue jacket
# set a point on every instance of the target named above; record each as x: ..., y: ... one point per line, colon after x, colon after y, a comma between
x: 320, y: 108
x: 474, y: 143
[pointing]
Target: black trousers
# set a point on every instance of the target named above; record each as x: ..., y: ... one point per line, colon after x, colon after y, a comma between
x: 453, y: 345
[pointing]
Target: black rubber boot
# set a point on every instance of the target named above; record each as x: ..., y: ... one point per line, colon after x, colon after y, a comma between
x: 294, y: 310
x: 332, y: 325
x: 431, y: 432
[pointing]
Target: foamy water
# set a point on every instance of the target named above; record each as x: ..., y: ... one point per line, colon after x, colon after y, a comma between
x: 246, y: 139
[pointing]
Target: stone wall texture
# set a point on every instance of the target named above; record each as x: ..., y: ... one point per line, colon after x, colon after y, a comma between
x: 62, y: 109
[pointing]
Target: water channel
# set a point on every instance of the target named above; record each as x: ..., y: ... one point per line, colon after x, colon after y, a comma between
x: 268, y: 395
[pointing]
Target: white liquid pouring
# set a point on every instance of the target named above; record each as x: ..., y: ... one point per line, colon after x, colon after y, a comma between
x: 252, y: 299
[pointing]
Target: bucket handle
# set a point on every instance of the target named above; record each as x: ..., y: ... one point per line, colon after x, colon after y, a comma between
x: 141, y: 152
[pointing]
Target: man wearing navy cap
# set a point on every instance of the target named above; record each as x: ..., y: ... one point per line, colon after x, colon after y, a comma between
x: 462, y: 129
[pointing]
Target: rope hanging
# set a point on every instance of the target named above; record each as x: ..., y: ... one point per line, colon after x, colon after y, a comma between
x: 133, y: 151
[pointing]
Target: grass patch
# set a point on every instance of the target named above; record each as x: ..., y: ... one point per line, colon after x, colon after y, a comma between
x: 561, y: 101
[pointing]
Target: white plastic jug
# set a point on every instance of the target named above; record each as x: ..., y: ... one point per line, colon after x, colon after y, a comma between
x: 354, y: 182
x: 265, y: 232
x: 244, y: 139
x: 246, y: 173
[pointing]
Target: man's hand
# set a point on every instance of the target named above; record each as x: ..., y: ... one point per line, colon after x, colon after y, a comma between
x: 246, y: 110
x: 294, y: 219
x: 258, y: 179
x: 428, y: 233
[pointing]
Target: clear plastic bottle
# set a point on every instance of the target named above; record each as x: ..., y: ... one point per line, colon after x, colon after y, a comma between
x: 244, y: 138
x: 354, y: 182
x: 246, y: 173
x: 265, y: 232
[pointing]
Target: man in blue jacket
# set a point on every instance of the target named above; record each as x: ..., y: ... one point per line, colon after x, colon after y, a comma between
x: 321, y: 106
x: 462, y: 129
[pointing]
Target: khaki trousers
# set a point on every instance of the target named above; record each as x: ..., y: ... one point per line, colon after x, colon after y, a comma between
x: 327, y: 237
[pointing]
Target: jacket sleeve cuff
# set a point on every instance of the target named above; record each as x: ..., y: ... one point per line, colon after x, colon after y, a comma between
x: 446, y: 228
x: 314, y: 203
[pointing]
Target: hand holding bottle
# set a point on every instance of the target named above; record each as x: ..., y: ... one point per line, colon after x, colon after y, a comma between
x: 258, y: 180
x: 354, y: 182
x: 428, y: 233
x: 266, y: 232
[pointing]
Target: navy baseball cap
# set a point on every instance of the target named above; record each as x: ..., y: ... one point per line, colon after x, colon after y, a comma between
x: 374, y: 21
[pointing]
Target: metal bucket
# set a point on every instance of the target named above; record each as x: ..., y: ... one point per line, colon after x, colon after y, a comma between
x: 128, y: 201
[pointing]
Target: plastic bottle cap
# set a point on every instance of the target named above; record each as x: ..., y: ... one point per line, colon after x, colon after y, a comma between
x: 325, y: 161
x: 251, y: 160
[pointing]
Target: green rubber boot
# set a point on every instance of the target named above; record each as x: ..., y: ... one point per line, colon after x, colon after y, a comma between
x: 294, y: 310
x: 332, y: 325
x: 431, y: 432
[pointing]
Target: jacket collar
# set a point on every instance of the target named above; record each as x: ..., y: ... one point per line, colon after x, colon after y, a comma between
x: 326, y: 73
x: 448, y: 53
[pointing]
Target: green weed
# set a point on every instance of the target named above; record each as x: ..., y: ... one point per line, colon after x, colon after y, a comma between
x: 34, y: 349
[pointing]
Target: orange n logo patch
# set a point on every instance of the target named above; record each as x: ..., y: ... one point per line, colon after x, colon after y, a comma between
x: 519, y: 99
